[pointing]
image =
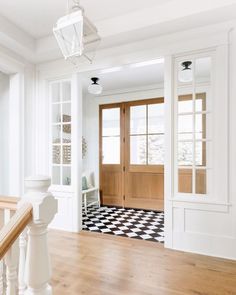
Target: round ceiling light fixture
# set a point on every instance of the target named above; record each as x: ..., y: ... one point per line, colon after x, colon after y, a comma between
x: 186, y: 74
x: 95, y: 88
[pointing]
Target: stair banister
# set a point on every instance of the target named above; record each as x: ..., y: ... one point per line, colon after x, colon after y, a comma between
x: 23, y: 240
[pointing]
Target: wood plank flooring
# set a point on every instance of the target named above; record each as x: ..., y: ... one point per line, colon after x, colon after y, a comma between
x: 98, y: 264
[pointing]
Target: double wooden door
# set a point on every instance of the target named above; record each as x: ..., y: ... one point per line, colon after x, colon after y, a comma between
x: 132, y: 154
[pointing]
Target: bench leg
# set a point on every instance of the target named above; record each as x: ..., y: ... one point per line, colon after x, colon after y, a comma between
x: 85, y: 204
x: 99, y: 201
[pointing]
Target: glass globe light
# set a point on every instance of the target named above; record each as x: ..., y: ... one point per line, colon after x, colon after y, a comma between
x: 95, y: 88
x: 186, y: 74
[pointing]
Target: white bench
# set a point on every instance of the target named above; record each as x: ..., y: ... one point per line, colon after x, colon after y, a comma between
x: 90, y: 196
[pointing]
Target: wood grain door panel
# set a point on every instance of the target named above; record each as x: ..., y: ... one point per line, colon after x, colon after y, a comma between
x: 145, y: 190
x: 112, y: 175
x: 112, y: 187
x: 144, y: 184
x: 131, y: 186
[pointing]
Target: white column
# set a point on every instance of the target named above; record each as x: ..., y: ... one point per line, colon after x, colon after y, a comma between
x: 37, y: 266
x: 76, y: 139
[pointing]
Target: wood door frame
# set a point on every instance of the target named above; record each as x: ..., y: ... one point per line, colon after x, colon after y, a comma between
x: 124, y: 142
x: 129, y: 168
x: 122, y: 128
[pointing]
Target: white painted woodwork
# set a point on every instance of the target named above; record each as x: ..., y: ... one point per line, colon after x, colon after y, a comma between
x: 37, y: 265
x: 22, y: 258
x: 11, y: 261
x: 25, y: 268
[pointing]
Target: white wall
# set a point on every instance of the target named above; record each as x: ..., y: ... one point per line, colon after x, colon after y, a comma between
x: 91, y: 118
x: 202, y: 227
x: 4, y: 134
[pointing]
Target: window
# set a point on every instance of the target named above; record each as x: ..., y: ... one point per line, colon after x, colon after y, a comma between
x: 147, y: 134
x: 61, y: 132
x: 111, y: 136
x: 193, y: 125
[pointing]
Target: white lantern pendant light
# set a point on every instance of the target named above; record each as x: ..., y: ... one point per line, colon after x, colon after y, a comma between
x: 95, y: 88
x: 69, y: 32
x: 186, y: 73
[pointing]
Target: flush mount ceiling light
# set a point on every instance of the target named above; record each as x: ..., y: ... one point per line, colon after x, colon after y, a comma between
x: 73, y: 31
x: 95, y: 88
x: 186, y: 73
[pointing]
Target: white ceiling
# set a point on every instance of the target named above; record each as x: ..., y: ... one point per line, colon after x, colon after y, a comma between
x: 128, y: 77
x: 36, y: 17
x: 139, y: 75
x: 26, y: 25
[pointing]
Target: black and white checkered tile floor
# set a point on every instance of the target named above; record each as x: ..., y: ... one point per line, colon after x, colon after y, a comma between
x: 132, y: 223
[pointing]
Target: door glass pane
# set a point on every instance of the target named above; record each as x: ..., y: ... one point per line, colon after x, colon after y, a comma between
x: 56, y: 113
x: 185, y: 123
x: 138, y: 150
x: 66, y: 91
x: 66, y: 134
x: 111, y: 150
x: 203, y: 70
x: 200, y: 153
x: 200, y: 181
x: 66, y: 112
x: 55, y: 92
x: 185, y: 103
x: 156, y: 118
x: 185, y: 136
x: 185, y: 180
x: 66, y: 154
x: 200, y: 103
x: 56, y: 134
x: 185, y: 72
x: 200, y: 126
x: 138, y: 120
x: 111, y: 122
x: 156, y: 149
x: 56, y: 154
x: 56, y: 176
x: 66, y: 176
x: 185, y: 153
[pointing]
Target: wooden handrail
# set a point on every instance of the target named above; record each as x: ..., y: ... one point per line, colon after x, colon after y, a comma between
x: 11, y: 231
x: 7, y: 202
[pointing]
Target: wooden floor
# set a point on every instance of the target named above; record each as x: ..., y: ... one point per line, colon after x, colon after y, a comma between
x: 100, y: 264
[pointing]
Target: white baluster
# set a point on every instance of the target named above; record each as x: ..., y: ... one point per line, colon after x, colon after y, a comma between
x: 1, y: 277
x: 21, y: 274
x: 11, y: 261
x: 1, y: 262
x: 37, y: 268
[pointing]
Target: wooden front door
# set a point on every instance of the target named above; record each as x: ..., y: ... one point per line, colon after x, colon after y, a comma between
x: 132, y: 154
x: 111, y: 154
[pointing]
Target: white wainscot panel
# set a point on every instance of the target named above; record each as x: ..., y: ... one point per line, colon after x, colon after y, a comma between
x: 208, y: 223
x: 178, y: 218
x: 204, y: 232
x: 63, y: 219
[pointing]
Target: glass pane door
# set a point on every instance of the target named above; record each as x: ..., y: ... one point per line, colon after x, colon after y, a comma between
x: 146, y: 134
x: 111, y: 135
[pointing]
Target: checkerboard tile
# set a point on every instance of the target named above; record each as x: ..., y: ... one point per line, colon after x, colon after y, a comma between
x: 132, y: 223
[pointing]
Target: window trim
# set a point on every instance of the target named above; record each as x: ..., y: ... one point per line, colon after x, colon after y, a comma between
x: 188, y: 89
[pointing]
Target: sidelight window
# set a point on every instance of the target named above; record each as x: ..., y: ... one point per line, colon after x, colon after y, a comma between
x: 193, y: 117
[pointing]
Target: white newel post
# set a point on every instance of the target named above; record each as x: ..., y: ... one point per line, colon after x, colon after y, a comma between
x: 37, y: 265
